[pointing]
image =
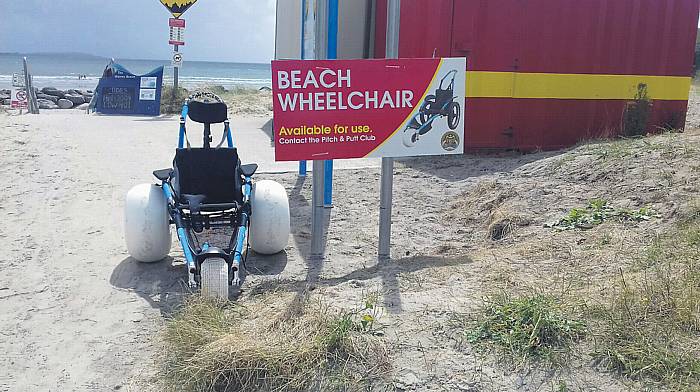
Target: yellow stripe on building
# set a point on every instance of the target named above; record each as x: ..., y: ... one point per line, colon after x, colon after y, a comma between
x: 483, y: 84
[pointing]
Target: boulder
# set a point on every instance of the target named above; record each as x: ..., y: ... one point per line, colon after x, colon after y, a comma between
x: 65, y: 104
x: 46, y: 104
x: 82, y: 106
x: 75, y: 98
x: 51, y: 98
x: 53, y: 91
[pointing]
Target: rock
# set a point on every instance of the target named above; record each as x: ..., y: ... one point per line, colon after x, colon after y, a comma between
x: 65, y: 104
x: 76, y: 99
x: 53, y: 91
x: 4, y: 96
x: 51, y: 98
x: 7, y: 101
x: 72, y: 92
x: 406, y: 380
x: 264, y: 88
x: 46, y: 104
x: 83, y: 106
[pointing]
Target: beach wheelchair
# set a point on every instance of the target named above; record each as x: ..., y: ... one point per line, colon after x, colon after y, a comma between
x: 434, y: 106
x: 215, y: 206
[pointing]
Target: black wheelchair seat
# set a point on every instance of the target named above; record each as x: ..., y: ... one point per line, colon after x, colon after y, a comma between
x: 214, y: 173
x: 207, y: 112
x: 442, y: 98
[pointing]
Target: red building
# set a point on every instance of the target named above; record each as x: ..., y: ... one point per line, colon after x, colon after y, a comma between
x: 549, y: 73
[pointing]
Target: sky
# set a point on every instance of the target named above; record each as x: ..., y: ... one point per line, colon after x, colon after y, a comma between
x: 217, y: 30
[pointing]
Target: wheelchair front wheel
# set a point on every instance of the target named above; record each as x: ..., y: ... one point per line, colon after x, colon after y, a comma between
x: 214, y: 278
x: 410, y: 137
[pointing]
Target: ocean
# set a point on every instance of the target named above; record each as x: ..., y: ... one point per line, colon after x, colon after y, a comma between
x: 63, y: 70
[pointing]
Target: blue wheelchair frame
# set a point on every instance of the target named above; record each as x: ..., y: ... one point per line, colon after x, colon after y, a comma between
x: 236, y: 255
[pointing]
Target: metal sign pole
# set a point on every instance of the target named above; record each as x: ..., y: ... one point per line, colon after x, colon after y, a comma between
x: 387, y: 181
x: 332, y: 54
x: 176, y: 70
x: 318, y: 167
x: 29, y: 88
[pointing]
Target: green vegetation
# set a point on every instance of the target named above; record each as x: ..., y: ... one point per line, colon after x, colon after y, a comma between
x: 240, y: 100
x: 651, y: 328
x: 637, y: 112
x: 172, y: 103
x: 215, y: 347
x: 530, y: 327
x: 597, y: 212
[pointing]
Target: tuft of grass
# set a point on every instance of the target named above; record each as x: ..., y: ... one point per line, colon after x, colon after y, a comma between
x: 529, y: 327
x: 597, y: 212
x: 225, y: 347
x: 651, y: 327
x: 172, y: 103
x: 635, y: 119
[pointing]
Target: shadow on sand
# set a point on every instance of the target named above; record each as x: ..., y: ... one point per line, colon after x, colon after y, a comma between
x: 162, y: 284
x: 388, y: 271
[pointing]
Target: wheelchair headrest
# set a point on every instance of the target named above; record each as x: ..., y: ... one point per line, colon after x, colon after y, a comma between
x: 207, y: 112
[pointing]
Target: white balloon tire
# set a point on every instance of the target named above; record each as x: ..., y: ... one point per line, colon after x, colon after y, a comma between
x: 214, y: 278
x: 146, y: 223
x: 408, y: 138
x: 270, y: 220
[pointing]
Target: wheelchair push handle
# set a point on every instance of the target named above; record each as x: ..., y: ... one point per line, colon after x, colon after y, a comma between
x: 452, y: 74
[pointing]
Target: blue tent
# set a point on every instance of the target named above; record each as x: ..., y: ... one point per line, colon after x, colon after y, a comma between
x: 121, y: 92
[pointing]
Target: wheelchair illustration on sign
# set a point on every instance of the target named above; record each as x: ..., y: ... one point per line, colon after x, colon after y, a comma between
x: 439, y: 105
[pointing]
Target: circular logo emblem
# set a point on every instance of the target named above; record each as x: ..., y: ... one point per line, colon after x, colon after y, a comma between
x: 450, y: 141
x: 21, y: 96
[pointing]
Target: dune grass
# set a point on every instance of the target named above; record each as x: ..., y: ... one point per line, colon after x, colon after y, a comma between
x: 170, y: 103
x: 240, y: 100
x: 651, y: 327
x: 214, y: 347
x: 532, y: 327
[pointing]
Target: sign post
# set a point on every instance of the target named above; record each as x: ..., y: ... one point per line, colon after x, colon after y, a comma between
x: 33, y: 104
x: 177, y: 31
x: 320, y: 36
x: 332, y: 54
x: 386, y: 188
x: 177, y: 34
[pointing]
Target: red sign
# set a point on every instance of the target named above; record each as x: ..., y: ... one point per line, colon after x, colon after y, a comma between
x: 19, y: 99
x: 174, y: 22
x: 177, y: 31
x: 368, y: 108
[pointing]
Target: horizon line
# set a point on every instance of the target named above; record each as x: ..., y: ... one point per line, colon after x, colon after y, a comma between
x: 125, y: 58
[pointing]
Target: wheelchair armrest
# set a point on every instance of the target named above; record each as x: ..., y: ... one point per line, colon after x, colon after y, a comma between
x: 249, y: 169
x: 163, y: 174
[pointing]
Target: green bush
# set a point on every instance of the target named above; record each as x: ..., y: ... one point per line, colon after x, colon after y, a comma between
x: 172, y: 103
x: 533, y: 326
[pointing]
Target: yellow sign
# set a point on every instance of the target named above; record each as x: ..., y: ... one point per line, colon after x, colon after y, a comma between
x: 178, y: 7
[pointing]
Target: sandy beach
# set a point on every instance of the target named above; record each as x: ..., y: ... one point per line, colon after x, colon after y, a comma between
x: 79, y: 314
